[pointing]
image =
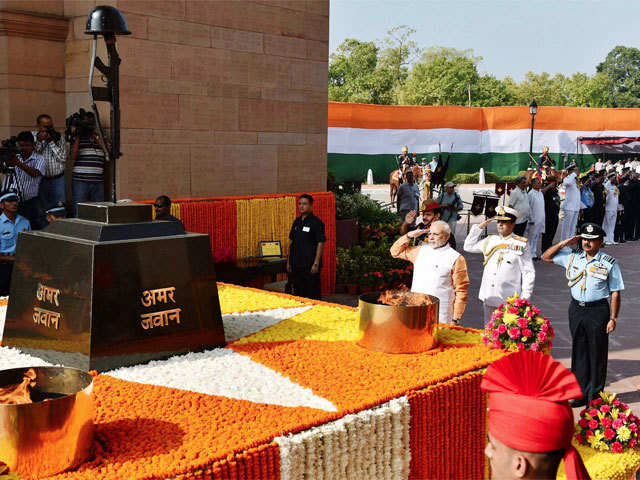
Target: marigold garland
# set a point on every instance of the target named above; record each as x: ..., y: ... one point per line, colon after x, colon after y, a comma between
x: 263, y: 219
x: 318, y: 323
x: 237, y: 299
x: 448, y: 429
x: 151, y: 432
x: 354, y: 378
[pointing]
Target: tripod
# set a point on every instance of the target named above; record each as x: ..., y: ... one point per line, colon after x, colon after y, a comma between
x: 11, y: 182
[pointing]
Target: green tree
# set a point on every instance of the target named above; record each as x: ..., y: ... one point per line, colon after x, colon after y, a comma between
x: 586, y: 91
x: 543, y: 88
x: 442, y: 81
x: 398, y: 52
x: 431, y: 53
x: 356, y: 76
x: 622, y: 66
x: 488, y: 91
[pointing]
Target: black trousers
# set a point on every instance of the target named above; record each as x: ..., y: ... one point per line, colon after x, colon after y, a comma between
x: 6, y: 268
x: 636, y: 220
x: 590, y: 346
x: 550, y: 227
x: 305, y: 283
x: 618, y: 233
x: 628, y: 223
x: 520, y: 228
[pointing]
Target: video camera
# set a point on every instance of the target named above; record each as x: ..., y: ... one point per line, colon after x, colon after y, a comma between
x: 8, y: 149
x: 84, y: 123
x: 53, y: 133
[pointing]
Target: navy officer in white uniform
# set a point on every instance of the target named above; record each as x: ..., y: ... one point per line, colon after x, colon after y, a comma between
x: 508, y: 267
x: 593, y: 277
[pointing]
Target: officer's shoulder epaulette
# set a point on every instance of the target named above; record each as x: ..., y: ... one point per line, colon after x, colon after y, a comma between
x: 519, y: 238
x: 608, y: 258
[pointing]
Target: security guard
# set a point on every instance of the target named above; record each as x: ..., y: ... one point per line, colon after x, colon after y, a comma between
x: 508, y: 267
x: 10, y: 225
x: 57, y: 212
x: 592, y: 276
x: 305, y: 252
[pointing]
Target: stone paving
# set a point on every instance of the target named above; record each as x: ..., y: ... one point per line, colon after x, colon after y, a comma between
x: 551, y: 295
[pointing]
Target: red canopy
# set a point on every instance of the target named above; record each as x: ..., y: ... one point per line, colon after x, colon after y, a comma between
x: 607, y: 140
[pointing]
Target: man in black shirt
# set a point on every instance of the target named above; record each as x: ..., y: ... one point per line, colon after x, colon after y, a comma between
x: 305, y: 250
x: 162, y: 207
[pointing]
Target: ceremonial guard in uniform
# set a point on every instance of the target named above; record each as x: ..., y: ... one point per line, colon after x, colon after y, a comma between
x: 508, y: 267
x: 402, y: 159
x: 592, y: 276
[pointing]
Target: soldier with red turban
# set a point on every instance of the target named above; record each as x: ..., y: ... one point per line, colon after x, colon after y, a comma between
x: 530, y: 420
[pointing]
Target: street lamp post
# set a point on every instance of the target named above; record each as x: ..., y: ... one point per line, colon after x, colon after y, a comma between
x: 533, y: 109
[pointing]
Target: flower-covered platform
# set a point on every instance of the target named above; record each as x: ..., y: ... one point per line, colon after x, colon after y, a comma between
x: 292, y: 396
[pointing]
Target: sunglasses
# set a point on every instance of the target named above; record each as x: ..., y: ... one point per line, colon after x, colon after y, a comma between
x: 155, y: 205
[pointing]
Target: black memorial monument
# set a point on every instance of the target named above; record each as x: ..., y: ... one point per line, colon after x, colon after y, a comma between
x: 112, y: 288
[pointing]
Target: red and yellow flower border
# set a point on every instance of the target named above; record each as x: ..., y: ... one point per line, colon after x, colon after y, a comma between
x: 238, y: 223
x: 423, y: 414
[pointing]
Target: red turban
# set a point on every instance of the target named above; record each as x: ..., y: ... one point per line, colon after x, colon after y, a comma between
x: 529, y: 409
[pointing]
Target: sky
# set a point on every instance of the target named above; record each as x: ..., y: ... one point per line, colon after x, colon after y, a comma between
x: 512, y: 36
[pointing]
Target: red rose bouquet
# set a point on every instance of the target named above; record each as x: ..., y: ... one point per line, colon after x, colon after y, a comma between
x: 607, y: 424
x: 517, y: 325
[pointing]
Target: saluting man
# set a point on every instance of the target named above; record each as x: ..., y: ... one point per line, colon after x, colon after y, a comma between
x: 592, y: 276
x: 508, y: 267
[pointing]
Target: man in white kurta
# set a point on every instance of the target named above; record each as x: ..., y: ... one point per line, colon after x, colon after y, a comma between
x: 536, y: 217
x: 571, y: 205
x: 508, y: 267
x: 610, y: 208
x: 438, y: 269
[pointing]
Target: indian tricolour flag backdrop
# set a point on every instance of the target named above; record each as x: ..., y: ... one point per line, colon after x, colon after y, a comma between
x: 362, y: 137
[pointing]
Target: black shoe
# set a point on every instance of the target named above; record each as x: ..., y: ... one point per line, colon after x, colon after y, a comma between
x: 622, y: 241
x: 577, y: 403
x: 536, y: 259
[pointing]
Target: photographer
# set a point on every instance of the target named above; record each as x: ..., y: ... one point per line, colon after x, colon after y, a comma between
x: 87, y: 153
x: 28, y: 167
x: 51, y: 145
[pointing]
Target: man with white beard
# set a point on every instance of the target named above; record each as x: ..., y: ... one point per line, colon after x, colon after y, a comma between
x: 611, y: 208
x: 438, y: 269
x: 536, y: 217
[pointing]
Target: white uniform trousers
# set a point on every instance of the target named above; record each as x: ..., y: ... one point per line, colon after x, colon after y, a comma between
x: 453, y: 222
x: 534, y: 232
x: 569, y: 224
x: 609, y: 224
x: 488, y: 311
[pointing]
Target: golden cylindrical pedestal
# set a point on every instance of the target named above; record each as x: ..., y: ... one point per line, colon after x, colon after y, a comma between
x: 397, y: 329
x: 47, y: 437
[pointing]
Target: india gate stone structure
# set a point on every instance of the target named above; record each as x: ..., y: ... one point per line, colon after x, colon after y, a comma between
x: 218, y: 97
